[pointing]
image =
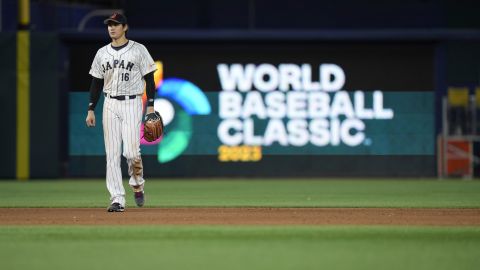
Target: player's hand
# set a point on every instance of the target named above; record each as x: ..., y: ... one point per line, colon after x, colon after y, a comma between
x: 90, y: 119
x: 150, y: 109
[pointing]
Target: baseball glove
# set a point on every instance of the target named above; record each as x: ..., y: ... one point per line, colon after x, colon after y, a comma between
x: 153, y: 127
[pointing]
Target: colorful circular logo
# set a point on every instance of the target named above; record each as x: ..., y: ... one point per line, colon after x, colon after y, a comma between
x: 177, y: 101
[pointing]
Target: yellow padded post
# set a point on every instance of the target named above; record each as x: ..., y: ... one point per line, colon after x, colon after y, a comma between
x: 477, y: 96
x: 23, y: 105
x: 458, y: 96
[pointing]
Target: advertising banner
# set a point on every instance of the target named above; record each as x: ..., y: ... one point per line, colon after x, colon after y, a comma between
x: 258, y: 106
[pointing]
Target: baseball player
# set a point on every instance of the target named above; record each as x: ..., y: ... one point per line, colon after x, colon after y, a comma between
x: 122, y: 69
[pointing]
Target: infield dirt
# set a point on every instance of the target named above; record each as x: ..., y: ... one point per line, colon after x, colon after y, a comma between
x: 241, y: 216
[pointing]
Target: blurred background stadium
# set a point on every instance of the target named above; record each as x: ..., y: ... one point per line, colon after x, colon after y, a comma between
x: 253, y: 88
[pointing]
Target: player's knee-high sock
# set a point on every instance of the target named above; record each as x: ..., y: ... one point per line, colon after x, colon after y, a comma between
x: 135, y: 170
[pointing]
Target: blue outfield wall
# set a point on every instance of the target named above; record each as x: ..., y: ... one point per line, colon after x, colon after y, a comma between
x: 401, y: 146
x: 8, y: 104
x: 238, y: 108
x: 409, y: 132
x: 255, y: 130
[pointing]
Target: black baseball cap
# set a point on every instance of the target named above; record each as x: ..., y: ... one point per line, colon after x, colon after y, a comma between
x: 116, y: 17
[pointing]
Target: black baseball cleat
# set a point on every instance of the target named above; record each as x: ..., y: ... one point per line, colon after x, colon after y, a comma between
x: 116, y: 207
x: 139, y: 198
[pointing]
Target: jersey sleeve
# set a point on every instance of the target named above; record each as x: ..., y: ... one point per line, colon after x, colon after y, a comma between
x: 96, y: 68
x: 147, y: 64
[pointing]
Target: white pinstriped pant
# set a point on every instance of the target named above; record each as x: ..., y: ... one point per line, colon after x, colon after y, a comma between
x: 121, y: 123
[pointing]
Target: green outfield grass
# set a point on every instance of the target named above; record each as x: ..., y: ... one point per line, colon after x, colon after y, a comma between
x: 233, y: 248
x: 271, y: 193
x: 243, y: 247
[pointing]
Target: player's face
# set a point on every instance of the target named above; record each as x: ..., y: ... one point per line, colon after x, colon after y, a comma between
x: 116, y: 30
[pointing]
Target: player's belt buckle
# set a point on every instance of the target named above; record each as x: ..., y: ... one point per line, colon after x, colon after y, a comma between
x: 129, y: 97
x: 121, y: 97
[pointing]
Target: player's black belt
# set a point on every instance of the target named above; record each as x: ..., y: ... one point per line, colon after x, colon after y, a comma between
x: 121, y: 97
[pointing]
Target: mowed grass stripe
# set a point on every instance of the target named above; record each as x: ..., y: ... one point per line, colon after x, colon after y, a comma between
x: 251, y: 193
x: 219, y: 247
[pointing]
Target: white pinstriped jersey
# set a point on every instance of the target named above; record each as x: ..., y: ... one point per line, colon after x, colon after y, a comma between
x: 122, y: 70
